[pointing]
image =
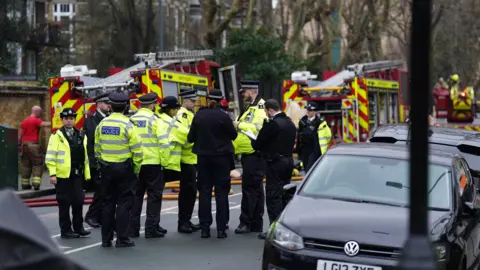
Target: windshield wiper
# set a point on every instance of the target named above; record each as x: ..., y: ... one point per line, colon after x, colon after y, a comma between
x: 400, y: 185
x: 367, y: 201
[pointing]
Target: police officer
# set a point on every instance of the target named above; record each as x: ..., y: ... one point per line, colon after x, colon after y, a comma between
x: 188, y: 173
x: 276, y: 140
x: 307, y: 134
x: 253, y: 196
x: 177, y: 135
x: 67, y: 162
x: 155, y: 154
x: 323, y: 138
x: 94, y: 213
x: 118, y: 149
x: 212, y: 133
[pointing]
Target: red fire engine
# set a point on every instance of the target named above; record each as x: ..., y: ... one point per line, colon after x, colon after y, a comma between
x: 357, y: 99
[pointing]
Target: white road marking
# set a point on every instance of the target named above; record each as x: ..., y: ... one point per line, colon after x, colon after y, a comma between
x: 142, y: 228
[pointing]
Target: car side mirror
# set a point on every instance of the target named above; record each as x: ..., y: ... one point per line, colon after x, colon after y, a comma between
x: 289, y: 190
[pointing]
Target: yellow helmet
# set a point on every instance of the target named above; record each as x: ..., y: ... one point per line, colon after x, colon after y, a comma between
x: 455, y: 77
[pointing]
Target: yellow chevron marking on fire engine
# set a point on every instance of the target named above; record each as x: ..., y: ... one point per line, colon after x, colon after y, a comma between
x: 362, y: 107
x: 288, y: 94
x: 88, y: 106
x: 155, y: 87
x: 61, y: 92
x: 468, y: 127
x: 401, y: 116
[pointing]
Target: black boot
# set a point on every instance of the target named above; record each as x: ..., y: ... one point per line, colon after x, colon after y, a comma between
x: 124, y: 243
x: 221, y: 234
x: 242, y: 229
x: 154, y: 234
x: 205, y: 233
x: 184, y: 228
x: 161, y: 229
x: 69, y: 235
x: 195, y: 227
x: 83, y: 232
x: 92, y: 223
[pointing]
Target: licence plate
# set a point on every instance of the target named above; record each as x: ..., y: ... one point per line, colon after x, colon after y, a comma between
x: 332, y: 265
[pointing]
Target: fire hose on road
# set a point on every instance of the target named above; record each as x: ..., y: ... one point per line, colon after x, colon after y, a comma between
x: 175, y: 186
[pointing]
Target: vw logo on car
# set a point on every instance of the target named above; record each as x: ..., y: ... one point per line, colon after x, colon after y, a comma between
x: 351, y: 248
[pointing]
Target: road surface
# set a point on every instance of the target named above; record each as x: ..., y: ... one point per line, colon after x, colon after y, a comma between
x: 175, y: 251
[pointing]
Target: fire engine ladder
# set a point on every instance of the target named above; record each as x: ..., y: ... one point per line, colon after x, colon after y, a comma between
x: 350, y: 120
x: 360, y: 68
x: 159, y: 59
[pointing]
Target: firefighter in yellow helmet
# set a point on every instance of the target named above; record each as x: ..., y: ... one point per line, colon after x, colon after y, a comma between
x: 177, y: 135
x: 188, y: 174
x: 253, y: 195
x: 118, y: 149
x: 454, y: 88
x: 67, y: 162
x: 155, y: 155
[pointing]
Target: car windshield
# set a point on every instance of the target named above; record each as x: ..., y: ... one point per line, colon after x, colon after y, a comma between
x: 374, y: 180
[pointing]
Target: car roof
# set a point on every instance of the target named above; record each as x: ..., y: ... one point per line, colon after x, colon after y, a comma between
x: 441, y: 135
x: 387, y: 150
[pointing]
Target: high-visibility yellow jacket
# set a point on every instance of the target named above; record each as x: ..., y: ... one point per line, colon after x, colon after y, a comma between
x: 324, y: 136
x: 177, y: 136
x: 155, y: 144
x: 250, y: 120
x: 117, y: 140
x: 454, y: 92
x: 186, y: 117
x: 58, y: 159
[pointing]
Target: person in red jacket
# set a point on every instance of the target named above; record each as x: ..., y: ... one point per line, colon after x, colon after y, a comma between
x: 30, y: 152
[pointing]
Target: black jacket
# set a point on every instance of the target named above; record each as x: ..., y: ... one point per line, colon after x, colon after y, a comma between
x: 277, y: 137
x: 307, y: 133
x: 212, y: 133
x: 90, y: 124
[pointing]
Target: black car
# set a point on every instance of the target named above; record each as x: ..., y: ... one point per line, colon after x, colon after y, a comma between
x: 352, y: 209
x: 452, y: 140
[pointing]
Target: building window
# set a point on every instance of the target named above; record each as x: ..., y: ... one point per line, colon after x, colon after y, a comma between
x: 55, y: 7
x: 65, y: 8
x: 73, y: 8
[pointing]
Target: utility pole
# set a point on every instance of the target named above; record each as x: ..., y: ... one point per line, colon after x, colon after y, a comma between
x: 160, y: 25
x: 418, y: 253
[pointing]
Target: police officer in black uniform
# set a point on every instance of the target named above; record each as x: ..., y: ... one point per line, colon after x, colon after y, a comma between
x: 212, y: 133
x: 275, y: 141
x: 307, y: 135
x: 94, y: 213
x: 68, y: 143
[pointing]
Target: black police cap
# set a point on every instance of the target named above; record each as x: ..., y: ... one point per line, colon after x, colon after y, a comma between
x: 101, y: 98
x: 215, y: 94
x: 311, y: 106
x: 169, y: 102
x: 118, y: 98
x: 149, y: 98
x: 68, y: 112
x: 248, y: 84
x: 188, y: 94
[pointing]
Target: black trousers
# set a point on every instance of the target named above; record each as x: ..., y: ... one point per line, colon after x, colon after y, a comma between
x: 171, y: 175
x: 305, y: 157
x: 95, y: 210
x: 279, y: 173
x: 213, y: 171
x: 150, y: 180
x: 253, y: 194
x: 187, y: 194
x: 118, y: 188
x: 69, y: 194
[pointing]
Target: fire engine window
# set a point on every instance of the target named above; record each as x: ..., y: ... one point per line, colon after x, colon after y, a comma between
x: 170, y: 89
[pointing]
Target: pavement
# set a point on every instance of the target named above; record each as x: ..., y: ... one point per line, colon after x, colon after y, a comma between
x: 174, y: 252
x: 45, y: 188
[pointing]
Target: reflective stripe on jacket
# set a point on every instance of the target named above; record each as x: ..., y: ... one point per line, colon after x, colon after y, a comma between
x: 58, y: 159
x: 250, y: 120
x: 324, y: 136
x: 186, y: 117
x: 177, y: 136
x: 155, y: 144
x: 116, y: 140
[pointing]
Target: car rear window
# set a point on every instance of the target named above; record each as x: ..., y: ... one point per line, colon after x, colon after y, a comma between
x: 374, y: 179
